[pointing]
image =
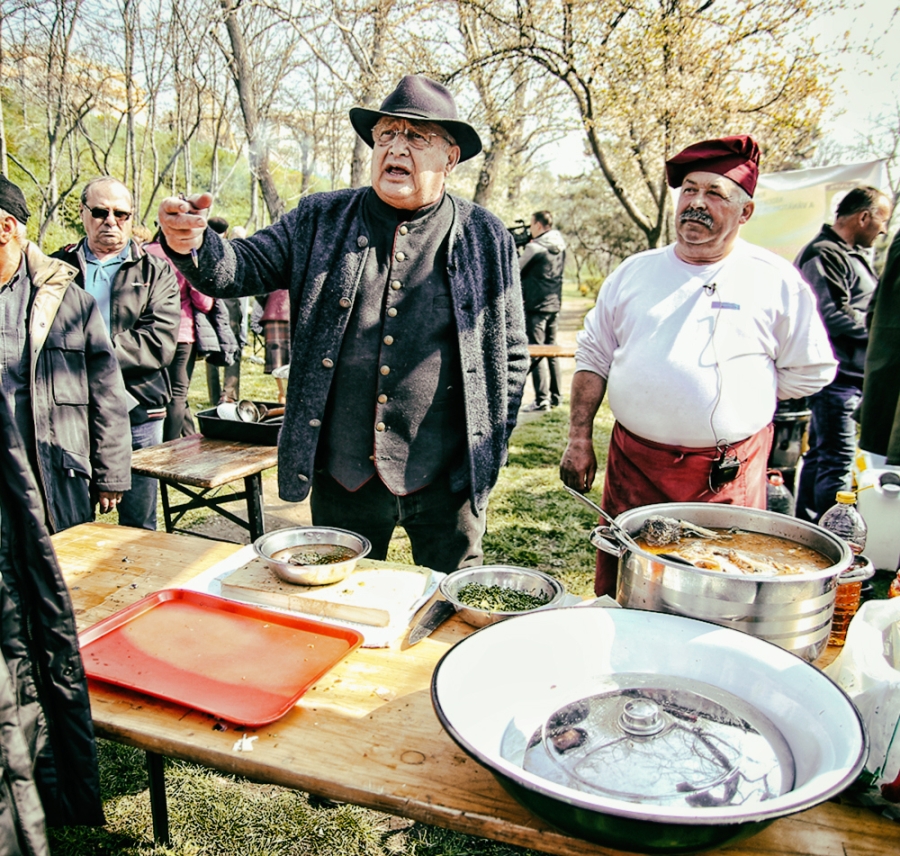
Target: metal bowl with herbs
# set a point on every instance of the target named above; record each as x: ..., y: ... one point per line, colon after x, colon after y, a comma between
x: 492, y: 593
x: 311, y: 555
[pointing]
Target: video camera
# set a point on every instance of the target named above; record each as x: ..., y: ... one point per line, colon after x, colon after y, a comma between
x: 520, y: 232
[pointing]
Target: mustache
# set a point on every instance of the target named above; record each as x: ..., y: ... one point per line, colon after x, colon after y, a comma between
x: 696, y: 216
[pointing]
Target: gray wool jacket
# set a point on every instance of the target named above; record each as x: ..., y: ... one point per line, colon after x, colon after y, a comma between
x: 318, y: 251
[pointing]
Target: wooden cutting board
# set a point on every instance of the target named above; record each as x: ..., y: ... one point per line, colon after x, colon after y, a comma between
x: 374, y: 593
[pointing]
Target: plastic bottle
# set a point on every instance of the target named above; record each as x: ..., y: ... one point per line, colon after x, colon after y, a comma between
x: 844, y: 520
x: 778, y: 497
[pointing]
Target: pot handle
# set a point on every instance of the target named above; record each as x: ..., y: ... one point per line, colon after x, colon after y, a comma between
x: 605, y: 538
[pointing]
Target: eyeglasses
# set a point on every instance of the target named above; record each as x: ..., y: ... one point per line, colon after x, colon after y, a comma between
x: 103, y: 213
x: 414, y: 138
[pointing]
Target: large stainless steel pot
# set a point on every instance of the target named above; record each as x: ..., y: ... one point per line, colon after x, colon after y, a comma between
x: 793, y: 611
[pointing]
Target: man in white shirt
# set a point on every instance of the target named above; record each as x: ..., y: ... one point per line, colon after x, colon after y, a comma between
x: 696, y: 342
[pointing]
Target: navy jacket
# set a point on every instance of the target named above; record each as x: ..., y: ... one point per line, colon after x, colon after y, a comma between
x: 317, y: 251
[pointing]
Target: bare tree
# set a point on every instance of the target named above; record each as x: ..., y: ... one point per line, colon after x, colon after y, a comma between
x: 650, y: 76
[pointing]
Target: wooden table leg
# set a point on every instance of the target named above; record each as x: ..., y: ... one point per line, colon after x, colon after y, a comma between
x: 159, y: 809
x: 255, y: 520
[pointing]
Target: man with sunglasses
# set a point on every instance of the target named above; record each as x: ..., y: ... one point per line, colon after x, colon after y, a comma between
x: 60, y: 377
x: 695, y: 343
x: 138, y: 297
x: 409, y: 352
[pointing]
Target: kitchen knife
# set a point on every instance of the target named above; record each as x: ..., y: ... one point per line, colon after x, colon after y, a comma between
x: 437, y: 614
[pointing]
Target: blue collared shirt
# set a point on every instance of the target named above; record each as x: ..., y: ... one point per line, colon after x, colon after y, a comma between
x: 100, y: 275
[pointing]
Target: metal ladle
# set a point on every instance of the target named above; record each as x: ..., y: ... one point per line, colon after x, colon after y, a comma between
x: 248, y: 411
x: 621, y: 532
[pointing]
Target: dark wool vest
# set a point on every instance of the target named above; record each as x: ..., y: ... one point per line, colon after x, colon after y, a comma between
x: 396, y: 404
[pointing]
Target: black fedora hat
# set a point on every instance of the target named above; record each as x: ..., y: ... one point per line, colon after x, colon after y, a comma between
x: 419, y: 99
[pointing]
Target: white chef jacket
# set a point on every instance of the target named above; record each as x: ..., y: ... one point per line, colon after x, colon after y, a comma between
x: 698, y: 354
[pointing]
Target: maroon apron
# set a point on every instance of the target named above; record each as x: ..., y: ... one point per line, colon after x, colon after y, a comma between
x: 641, y: 472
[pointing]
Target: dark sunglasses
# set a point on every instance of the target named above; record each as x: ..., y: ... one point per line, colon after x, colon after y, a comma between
x: 103, y: 213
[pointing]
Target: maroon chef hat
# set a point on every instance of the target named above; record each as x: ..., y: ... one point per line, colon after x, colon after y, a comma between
x: 736, y: 158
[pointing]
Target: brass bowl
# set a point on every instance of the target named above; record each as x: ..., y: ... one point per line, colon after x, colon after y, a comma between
x: 274, y: 547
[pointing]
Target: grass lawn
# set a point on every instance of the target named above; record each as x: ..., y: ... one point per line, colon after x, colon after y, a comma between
x: 531, y: 522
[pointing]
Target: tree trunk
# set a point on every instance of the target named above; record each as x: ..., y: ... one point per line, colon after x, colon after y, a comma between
x: 243, y: 74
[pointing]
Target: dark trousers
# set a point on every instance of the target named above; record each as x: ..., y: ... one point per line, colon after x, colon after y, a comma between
x: 540, y: 328
x: 231, y: 388
x: 832, y: 447
x: 444, y: 532
x: 180, y: 371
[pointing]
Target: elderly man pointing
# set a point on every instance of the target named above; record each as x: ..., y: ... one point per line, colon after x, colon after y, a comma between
x: 695, y: 343
x: 408, y: 352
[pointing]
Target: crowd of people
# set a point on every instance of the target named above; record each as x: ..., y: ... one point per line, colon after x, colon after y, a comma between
x: 403, y: 315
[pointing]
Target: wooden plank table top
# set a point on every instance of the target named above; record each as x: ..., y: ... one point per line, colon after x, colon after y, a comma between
x: 366, y: 733
x: 202, y: 461
x: 538, y: 351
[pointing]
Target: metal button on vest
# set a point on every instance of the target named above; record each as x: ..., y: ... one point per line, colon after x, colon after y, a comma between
x: 396, y: 284
x: 315, y: 423
x: 302, y: 477
x: 385, y: 370
x: 401, y: 256
x: 392, y: 312
x: 403, y: 230
x: 388, y: 340
x: 329, y: 364
x: 382, y: 399
x: 344, y: 302
x: 380, y: 426
x: 362, y: 241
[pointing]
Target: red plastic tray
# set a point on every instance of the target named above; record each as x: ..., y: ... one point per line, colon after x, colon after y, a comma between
x: 238, y: 662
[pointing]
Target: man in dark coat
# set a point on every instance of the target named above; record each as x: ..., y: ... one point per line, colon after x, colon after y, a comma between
x: 409, y: 353
x: 50, y: 774
x: 61, y: 377
x: 880, y: 418
x: 542, y: 265
x: 836, y: 265
x: 138, y: 297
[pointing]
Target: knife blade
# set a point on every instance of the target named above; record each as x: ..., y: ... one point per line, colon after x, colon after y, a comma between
x: 436, y: 615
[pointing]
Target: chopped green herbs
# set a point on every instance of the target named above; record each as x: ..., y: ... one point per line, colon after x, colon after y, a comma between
x: 326, y: 554
x: 500, y: 599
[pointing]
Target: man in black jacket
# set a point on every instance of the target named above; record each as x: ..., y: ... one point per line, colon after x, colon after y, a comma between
x: 542, y: 265
x: 835, y: 265
x: 138, y: 297
x: 50, y: 773
x: 408, y: 353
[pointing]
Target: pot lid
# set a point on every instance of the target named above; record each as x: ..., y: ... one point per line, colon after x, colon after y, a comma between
x: 663, y: 741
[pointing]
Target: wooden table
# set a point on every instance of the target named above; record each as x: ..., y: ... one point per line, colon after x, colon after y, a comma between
x: 207, y: 464
x: 538, y: 352
x: 366, y: 733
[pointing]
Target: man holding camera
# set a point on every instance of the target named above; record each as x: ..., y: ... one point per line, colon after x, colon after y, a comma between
x: 696, y: 343
x: 541, y: 266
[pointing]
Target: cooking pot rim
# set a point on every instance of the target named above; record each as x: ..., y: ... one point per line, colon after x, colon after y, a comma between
x: 666, y: 509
